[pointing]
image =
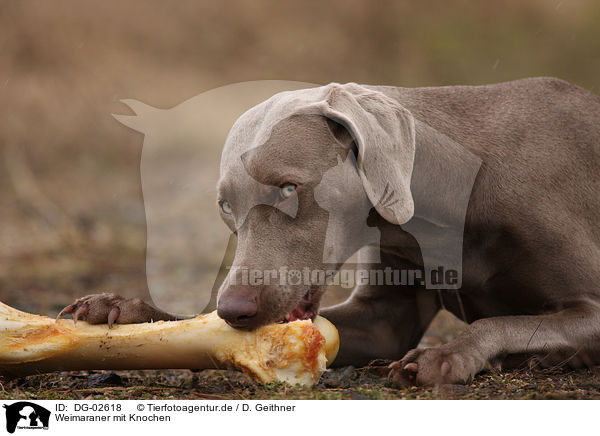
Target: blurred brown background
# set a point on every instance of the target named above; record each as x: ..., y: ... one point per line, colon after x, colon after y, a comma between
x: 71, y: 210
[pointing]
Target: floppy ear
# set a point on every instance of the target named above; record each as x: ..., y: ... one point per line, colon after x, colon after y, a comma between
x: 384, y: 132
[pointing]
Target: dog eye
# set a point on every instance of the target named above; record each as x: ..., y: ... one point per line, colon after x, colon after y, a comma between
x: 225, y: 206
x: 287, y: 190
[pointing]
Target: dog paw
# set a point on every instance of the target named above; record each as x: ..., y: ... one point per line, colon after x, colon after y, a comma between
x: 109, y: 309
x: 434, y: 366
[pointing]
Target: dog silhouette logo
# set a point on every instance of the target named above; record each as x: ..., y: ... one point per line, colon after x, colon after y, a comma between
x: 26, y: 415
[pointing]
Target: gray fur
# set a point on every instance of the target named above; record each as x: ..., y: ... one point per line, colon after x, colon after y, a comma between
x: 531, y: 247
x: 531, y: 253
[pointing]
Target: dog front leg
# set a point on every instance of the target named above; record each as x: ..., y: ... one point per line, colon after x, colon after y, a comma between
x: 380, y: 321
x: 372, y: 330
x: 574, y: 331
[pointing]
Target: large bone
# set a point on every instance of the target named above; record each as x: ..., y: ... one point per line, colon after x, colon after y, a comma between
x: 296, y: 352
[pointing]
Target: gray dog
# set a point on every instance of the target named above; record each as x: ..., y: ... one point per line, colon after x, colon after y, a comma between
x: 529, y: 245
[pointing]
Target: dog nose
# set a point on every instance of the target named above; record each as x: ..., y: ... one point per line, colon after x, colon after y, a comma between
x: 238, y: 306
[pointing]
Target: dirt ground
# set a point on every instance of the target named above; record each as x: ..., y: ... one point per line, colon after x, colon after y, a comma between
x: 369, y: 383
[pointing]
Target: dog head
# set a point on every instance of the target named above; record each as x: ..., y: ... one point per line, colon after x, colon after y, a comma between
x: 299, y: 174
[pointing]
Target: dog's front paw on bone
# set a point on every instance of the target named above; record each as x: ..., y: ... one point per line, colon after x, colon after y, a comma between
x: 108, y: 309
x: 432, y: 366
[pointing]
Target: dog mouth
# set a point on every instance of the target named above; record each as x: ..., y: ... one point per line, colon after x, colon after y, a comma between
x: 307, y: 308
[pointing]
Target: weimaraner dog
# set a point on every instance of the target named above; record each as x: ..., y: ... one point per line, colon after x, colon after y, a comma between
x: 529, y: 152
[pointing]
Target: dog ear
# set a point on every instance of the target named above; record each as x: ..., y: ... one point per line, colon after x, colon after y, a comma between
x: 384, y: 132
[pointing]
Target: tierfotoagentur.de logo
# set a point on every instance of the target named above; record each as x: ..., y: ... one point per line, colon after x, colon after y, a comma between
x: 24, y: 415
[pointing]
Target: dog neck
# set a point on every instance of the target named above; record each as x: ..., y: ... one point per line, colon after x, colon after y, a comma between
x: 442, y: 179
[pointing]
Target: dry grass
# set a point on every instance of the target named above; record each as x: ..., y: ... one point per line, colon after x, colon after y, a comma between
x: 348, y: 383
